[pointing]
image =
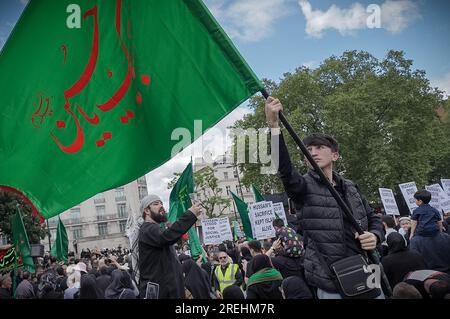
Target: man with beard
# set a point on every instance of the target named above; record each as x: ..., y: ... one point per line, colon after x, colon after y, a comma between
x: 158, y: 262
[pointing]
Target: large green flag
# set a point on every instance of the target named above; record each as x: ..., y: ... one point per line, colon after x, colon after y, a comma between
x: 92, y: 91
x: 180, y: 202
x: 60, y: 248
x: 242, y: 208
x: 257, y: 194
x: 21, y: 243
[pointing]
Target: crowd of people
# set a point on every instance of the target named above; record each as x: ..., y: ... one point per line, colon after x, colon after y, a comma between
x: 324, y: 254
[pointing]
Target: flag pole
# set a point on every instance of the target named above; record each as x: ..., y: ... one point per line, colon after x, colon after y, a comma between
x: 49, y: 235
x: 371, y: 254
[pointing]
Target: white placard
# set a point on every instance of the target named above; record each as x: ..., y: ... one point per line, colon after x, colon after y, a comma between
x: 278, y: 209
x: 408, y: 190
x: 388, y: 199
x: 216, y: 230
x: 443, y: 198
x: 446, y: 186
x: 261, y: 216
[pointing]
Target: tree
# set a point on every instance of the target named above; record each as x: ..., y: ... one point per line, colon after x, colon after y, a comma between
x: 382, y: 112
x: 8, y: 207
x: 206, y: 188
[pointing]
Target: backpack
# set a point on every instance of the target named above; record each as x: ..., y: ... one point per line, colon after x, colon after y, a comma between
x: 292, y: 244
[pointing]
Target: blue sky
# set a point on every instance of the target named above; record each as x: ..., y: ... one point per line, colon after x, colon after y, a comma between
x: 276, y: 36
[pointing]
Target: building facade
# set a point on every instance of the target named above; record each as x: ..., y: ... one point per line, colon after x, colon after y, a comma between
x: 100, y: 221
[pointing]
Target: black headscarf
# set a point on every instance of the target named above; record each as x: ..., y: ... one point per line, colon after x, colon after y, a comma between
x: 261, y: 262
x: 295, y: 287
x: 120, y: 287
x: 88, y: 287
x: 196, y: 280
x: 396, y: 242
x: 245, y: 252
x: 233, y: 292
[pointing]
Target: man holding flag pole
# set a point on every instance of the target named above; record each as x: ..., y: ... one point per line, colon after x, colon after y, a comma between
x: 157, y: 258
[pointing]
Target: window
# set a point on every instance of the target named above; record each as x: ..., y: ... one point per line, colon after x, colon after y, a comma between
x: 122, y: 225
x: 102, y: 229
x: 228, y: 190
x: 101, y: 212
x: 122, y: 210
x: 53, y: 235
x: 225, y: 175
x: 53, y: 221
x: 99, y: 198
x: 77, y: 232
x: 3, y: 240
x: 120, y: 194
x: 142, y: 191
x: 75, y: 215
x: 142, y: 181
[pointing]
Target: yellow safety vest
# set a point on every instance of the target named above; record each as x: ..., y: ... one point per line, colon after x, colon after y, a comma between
x: 228, y: 279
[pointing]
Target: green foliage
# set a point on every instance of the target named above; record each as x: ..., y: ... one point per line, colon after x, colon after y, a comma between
x: 382, y: 112
x: 8, y: 207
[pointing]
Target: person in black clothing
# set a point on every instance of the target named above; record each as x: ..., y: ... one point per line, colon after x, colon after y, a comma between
x: 400, y: 260
x: 196, y: 280
x: 158, y: 262
x: 294, y: 287
x: 255, y: 249
x: 327, y: 230
x: 266, y: 281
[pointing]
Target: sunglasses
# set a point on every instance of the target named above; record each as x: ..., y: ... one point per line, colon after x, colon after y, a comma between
x: 222, y: 257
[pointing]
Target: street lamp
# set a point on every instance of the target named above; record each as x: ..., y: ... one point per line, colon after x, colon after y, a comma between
x: 239, y: 180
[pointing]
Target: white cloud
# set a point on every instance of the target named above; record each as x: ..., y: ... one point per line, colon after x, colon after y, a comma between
x: 248, y: 20
x: 213, y: 141
x: 442, y: 83
x: 310, y: 64
x: 395, y: 16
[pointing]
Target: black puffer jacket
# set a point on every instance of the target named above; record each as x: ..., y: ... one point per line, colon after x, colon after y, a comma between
x: 322, y: 219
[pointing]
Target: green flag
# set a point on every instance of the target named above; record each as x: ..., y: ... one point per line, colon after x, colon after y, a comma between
x: 98, y: 86
x: 180, y: 202
x: 257, y: 194
x: 242, y: 208
x: 60, y: 248
x: 21, y: 243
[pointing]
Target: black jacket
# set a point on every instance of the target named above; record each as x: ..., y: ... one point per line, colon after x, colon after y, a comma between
x: 400, y: 260
x: 322, y: 219
x: 265, y: 290
x: 158, y: 262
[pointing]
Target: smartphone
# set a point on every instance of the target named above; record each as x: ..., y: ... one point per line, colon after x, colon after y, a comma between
x: 152, y: 291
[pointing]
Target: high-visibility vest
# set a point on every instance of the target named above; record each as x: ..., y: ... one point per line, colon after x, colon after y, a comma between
x: 229, y: 278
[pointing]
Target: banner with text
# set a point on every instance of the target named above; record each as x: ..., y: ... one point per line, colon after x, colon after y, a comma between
x: 408, y: 190
x: 388, y: 200
x: 278, y: 209
x: 442, y: 197
x: 216, y: 230
x: 446, y: 186
x: 261, y: 216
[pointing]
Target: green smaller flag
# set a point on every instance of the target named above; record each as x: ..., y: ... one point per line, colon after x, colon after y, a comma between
x: 257, y: 194
x: 180, y: 202
x: 60, y: 248
x: 21, y: 243
x: 242, y: 208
